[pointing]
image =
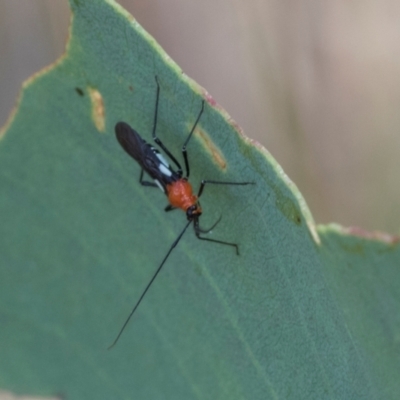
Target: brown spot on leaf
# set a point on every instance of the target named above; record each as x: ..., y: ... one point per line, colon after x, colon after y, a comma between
x: 98, y: 111
x: 211, y: 148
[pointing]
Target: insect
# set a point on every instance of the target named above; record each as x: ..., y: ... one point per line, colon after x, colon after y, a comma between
x: 172, y: 182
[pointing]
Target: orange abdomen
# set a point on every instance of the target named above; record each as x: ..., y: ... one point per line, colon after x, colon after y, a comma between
x: 180, y: 194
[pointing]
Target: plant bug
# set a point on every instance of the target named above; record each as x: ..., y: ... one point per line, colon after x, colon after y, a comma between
x: 172, y: 182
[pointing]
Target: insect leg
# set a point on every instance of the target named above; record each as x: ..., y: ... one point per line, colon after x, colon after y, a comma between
x: 184, y: 151
x: 145, y: 183
x: 203, y: 182
x: 149, y: 284
x: 169, y: 207
x: 198, y: 231
x: 156, y: 139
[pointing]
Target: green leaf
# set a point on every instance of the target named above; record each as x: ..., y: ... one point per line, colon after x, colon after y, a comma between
x: 302, y: 313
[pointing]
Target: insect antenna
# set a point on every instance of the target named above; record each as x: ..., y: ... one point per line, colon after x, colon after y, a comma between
x: 149, y: 284
x: 184, y: 151
x: 156, y: 138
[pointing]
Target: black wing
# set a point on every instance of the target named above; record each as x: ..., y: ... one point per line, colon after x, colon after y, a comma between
x: 130, y: 141
x: 146, y: 155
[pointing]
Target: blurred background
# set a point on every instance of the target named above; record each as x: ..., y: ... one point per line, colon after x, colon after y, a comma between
x: 317, y: 83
